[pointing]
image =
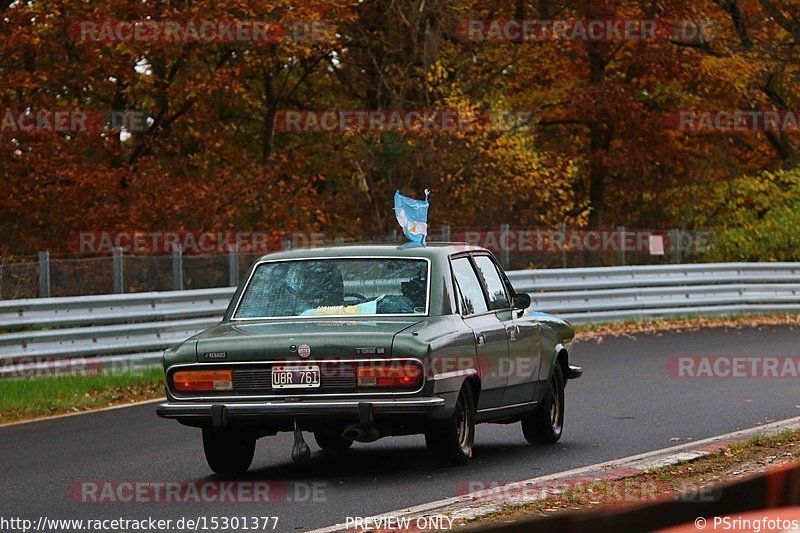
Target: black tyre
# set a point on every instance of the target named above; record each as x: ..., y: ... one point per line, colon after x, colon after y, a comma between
x: 545, y: 424
x: 331, y: 440
x: 228, y: 452
x: 451, y: 442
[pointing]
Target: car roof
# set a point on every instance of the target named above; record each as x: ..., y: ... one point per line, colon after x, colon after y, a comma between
x: 429, y: 250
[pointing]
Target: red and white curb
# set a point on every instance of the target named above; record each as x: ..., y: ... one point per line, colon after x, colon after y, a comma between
x: 461, y: 509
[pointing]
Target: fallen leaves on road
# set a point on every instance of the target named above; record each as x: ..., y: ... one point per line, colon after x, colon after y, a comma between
x: 597, y: 332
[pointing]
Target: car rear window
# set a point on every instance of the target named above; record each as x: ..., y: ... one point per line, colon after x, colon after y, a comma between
x: 336, y: 287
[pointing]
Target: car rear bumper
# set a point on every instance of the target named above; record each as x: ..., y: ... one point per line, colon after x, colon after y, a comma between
x: 219, y: 413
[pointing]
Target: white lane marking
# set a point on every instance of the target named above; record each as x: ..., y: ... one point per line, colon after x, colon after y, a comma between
x: 671, y: 455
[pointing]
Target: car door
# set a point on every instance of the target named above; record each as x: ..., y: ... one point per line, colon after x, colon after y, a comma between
x: 491, y: 341
x: 524, y: 340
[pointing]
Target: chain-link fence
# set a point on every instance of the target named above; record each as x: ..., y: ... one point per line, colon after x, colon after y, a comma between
x: 517, y: 248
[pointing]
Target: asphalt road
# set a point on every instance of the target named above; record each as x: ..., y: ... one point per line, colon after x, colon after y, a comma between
x: 626, y: 403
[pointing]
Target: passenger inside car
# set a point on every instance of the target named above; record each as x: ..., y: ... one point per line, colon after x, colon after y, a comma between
x: 414, y: 290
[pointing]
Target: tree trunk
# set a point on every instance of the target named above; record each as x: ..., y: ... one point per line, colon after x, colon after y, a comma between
x: 599, y: 143
x: 268, y: 127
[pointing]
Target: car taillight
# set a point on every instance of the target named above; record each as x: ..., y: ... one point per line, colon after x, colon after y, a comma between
x: 391, y: 376
x: 203, y: 381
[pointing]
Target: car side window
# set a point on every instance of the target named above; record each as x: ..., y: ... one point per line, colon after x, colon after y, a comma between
x: 471, y: 290
x: 496, y: 289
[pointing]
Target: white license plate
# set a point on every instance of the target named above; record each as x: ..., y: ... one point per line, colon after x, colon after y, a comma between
x: 295, y: 377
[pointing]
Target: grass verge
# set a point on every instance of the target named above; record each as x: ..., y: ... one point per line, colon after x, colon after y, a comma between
x: 22, y: 399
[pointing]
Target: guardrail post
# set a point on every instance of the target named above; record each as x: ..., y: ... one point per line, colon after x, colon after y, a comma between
x: 118, y: 274
x: 44, y: 274
x: 177, y: 268
x: 675, y: 244
x: 233, y: 266
x: 504, y: 258
x: 446, y: 233
x: 621, y: 231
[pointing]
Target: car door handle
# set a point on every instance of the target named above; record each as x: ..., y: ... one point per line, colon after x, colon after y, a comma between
x: 481, y: 339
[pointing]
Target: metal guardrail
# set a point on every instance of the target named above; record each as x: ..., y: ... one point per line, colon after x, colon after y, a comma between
x: 46, y: 336
x: 584, y: 295
x: 56, y: 336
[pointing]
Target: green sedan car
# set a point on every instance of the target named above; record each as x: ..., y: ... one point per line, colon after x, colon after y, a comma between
x: 354, y: 343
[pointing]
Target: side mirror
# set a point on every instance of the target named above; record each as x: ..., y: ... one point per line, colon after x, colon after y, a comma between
x: 522, y: 301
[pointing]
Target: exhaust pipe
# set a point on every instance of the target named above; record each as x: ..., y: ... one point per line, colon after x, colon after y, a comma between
x: 361, y: 433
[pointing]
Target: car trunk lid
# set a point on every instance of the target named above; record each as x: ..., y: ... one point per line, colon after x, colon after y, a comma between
x: 289, y: 340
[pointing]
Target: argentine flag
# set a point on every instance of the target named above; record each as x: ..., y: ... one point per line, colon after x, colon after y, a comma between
x: 412, y: 215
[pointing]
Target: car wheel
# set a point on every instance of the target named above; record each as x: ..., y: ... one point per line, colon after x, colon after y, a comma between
x: 228, y: 452
x: 545, y: 424
x: 452, y: 442
x: 331, y: 440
